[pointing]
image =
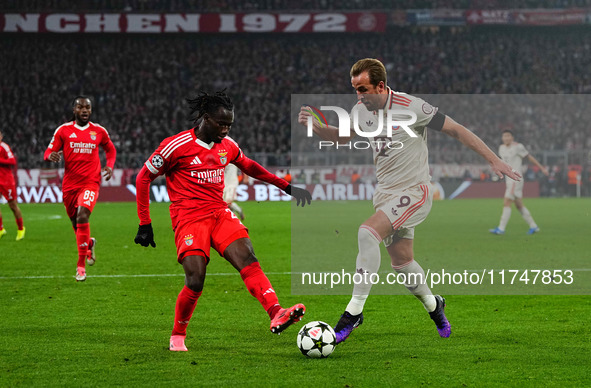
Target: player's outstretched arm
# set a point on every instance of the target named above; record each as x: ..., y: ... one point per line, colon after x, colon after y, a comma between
x: 255, y: 170
x: 302, y: 196
x: 145, y: 234
x: 535, y: 161
x: 469, y: 139
x: 323, y: 131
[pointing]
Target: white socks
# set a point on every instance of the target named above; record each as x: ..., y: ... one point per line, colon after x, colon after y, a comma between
x: 528, y: 218
x: 417, y: 284
x: 505, y: 218
x: 368, y: 262
x: 524, y: 213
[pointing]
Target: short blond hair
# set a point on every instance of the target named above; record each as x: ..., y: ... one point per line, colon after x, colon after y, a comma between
x: 375, y: 69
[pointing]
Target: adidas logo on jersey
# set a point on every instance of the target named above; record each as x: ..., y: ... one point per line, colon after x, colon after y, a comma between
x: 196, y: 160
x: 73, y: 136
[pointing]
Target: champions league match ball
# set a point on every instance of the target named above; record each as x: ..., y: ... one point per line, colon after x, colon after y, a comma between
x: 316, y: 340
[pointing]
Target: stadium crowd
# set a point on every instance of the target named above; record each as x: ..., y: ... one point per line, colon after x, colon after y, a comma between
x: 139, y: 83
x: 273, y: 5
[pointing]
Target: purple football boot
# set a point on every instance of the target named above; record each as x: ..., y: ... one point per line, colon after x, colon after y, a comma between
x: 438, y: 316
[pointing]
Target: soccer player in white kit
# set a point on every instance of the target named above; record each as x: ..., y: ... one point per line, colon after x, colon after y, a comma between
x: 230, y: 186
x: 403, y: 196
x: 513, y: 153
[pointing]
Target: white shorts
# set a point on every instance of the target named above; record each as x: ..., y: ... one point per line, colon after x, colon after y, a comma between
x: 405, y: 209
x: 514, y: 189
x: 230, y: 193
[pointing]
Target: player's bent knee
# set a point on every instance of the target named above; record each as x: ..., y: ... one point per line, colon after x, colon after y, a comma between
x: 195, y: 283
x: 82, y: 217
x: 240, y: 253
x: 242, y: 259
x: 367, y: 235
x: 195, y: 267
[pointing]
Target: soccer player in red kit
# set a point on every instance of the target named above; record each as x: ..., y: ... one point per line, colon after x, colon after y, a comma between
x: 193, y: 162
x: 77, y: 141
x: 8, y: 188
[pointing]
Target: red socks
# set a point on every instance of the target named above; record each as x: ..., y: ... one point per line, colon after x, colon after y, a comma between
x: 255, y: 280
x: 260, y: 287
x: 19, y: 223
x: 185, y: 305
x: 82, y: 239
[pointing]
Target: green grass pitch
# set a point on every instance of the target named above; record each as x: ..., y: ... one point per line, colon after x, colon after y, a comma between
x: 114, y: 328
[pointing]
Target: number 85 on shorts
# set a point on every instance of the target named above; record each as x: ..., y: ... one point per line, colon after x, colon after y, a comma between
x: 86, y: 197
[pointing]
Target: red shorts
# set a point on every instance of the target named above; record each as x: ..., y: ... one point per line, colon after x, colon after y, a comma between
x: 218, y: 230
x: 86, y: 197
x: 8, y: 192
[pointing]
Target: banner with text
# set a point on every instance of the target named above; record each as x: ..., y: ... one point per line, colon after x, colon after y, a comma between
x: 156, y: 23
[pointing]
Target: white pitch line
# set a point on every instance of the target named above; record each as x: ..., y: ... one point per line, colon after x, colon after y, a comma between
x: 158, y: 275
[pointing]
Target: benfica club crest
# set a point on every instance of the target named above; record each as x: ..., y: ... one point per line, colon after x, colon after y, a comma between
x: 93, y: 135
x: 223, y: 158
x: 189, y: 239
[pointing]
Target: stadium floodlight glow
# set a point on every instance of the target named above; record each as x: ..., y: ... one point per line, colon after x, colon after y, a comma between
x: 395, y: 118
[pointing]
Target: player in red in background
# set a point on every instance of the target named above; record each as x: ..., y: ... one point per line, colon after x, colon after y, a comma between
x: 193, y: 162
x: 77, y: 141
x: 8, y: 188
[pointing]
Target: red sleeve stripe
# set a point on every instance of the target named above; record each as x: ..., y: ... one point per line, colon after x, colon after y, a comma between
x: 173, y: 145
x: 400, y: 96
x: 397, y: 101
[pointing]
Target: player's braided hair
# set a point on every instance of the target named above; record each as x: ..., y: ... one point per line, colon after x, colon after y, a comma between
x: 208, y: 103
x: 83, y: 97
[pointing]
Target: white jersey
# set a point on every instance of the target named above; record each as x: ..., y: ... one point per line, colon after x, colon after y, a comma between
x: 231, y: 176
x: 401, y: 160
x: 513, y: 155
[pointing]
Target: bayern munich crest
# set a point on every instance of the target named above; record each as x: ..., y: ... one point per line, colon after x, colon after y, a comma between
x: 189, y: 239
x: 157, y: 161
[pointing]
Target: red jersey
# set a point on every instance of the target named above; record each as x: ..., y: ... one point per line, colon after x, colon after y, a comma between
x: 7, y: 163
x: 81, y: 154
x: 194, y: 175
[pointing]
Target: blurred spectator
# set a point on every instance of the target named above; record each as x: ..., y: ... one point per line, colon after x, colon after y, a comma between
x: 139, y: 84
